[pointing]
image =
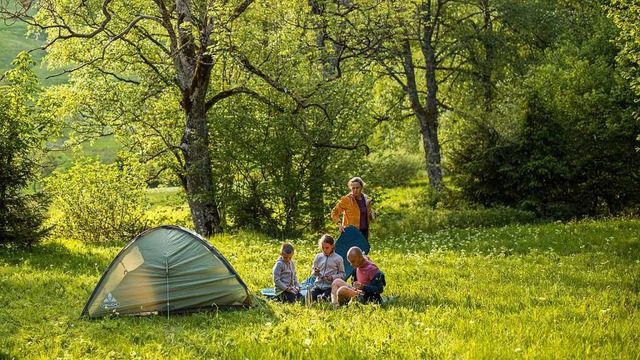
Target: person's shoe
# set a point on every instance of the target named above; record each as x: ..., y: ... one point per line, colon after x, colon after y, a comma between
x: 320, y: 298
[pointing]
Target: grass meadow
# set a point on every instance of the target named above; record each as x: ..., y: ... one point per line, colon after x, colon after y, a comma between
x: 520, y: 291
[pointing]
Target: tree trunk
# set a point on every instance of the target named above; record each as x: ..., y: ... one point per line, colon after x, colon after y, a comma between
x: 427, y: 114
x: 317, y: 175
x: 193, y: 74
x: 429, y: 130
x: 429, y: 122
x: 200, y: 187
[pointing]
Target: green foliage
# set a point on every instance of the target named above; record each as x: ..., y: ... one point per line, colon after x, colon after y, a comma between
x: 531, y: 173
x: 565, y: 291
x: 392, y: 169
x: 279, y: 147
x: 423, y: 209
x: 23, y: 130
x: 94, y: 202
x: 571, y: 152
x: 626, y: 16
x: 550, y: 170
x: 278, y: 164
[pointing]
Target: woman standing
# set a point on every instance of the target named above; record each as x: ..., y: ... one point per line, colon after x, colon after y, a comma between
x: 356, y: 207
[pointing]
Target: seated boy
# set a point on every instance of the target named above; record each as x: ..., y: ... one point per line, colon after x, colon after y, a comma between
x: 285, y: 278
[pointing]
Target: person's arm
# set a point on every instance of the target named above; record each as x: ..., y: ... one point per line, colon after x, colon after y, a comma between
x: 377, y: 284
x: 315, y: 265
x: 337, y: 211
x: 277, y: 280
x: 340, y: 264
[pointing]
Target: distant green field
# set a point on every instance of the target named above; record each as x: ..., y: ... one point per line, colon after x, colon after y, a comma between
x: 104, y: 149
x: 13, y: 40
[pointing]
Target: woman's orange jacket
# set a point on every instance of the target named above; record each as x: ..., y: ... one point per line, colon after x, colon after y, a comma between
x: 351, y: 210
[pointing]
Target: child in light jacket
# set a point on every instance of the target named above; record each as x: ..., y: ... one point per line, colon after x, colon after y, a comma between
x: 327, y: 266
x: 285, y: 278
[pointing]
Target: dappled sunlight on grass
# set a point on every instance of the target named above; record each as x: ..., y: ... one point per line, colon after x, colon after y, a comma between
x: 541, y: 291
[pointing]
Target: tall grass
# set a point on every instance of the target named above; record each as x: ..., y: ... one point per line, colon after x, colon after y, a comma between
x: 520, y: 291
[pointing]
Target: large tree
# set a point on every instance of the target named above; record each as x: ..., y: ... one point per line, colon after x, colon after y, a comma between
x: 139, y: 55
x: 417, y: 45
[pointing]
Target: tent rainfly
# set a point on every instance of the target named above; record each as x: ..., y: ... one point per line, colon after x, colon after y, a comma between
x: 168, y: 269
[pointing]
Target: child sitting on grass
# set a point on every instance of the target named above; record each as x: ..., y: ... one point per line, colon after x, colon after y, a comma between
x: 327, y: 266
x: 285, y: 278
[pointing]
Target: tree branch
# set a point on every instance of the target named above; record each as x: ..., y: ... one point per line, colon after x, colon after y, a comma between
x: 343, y: 147
x: 240, y: 90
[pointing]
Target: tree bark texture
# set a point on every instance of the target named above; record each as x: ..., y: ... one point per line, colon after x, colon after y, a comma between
x: 193, y: 74
x: 427, y: 114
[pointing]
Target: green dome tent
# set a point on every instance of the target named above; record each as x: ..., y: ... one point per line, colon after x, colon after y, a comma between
x: 168, y: 270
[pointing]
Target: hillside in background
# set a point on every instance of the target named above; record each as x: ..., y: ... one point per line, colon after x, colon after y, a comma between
x: 13, y: 40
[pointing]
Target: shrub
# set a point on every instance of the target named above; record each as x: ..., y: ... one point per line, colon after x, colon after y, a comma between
x: 21, y: 219
x: 395, y: 223
x: 23, y: 130
x: 94, y: 202
x: 393, y: 169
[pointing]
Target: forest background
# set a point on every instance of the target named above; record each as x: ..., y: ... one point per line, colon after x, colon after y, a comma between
x: 260, y: 111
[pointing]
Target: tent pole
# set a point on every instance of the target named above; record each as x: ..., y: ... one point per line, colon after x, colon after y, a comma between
x: 166, y: 266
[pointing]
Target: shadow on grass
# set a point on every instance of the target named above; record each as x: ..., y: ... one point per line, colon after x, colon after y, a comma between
x: 616, y: 237
x: 57, y: 256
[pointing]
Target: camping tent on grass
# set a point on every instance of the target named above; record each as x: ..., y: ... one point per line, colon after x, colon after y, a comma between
x: 168, y: 269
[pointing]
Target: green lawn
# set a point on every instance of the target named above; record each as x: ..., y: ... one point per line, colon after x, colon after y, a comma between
x: 537, y: 291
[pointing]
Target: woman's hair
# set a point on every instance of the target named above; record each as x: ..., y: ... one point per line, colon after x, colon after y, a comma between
x: 325, y: 239
x: 356, y: 179
x: 286, y: 248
